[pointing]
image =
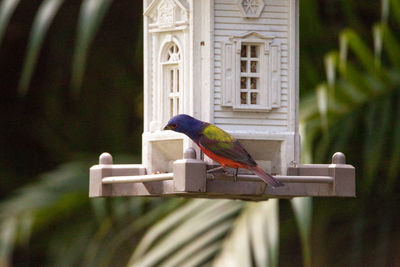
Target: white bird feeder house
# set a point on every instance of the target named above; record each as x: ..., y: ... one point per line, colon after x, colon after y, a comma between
x: 233, y: 63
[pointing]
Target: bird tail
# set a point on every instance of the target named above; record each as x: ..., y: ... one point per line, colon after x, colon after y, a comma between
x: 267, y: 178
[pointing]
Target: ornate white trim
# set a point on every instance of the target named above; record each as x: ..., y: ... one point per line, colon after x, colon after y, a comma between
x: 251, y: 8
x: 166, y: 15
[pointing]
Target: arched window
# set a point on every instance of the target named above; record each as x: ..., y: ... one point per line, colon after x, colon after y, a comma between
x: 171, y: 64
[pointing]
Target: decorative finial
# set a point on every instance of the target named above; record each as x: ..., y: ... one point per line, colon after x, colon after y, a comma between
x: 338, y: 158
x: 105, y: 159
x: 189, y: 153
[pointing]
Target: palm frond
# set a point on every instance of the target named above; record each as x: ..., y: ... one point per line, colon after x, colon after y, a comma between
x: 104, y: 229
x: 44, y: 17
x: 8, y: 236
x: 195, y: 224
x: 90, y: 17
x: 362, y: 92
x: 254, y: 237
x: 7, y: 8
x: 128, y: 227
x: 391, y: 46
x: 164, y: 226
x: 34, y: 205
x: 302, y: 208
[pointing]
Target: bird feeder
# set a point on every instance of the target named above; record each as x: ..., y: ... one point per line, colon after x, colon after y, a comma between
x: 233, y: 63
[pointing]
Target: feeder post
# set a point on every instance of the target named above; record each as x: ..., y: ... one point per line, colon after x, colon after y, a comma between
x: 189, y: 173
x: 345, y: 184
x: 97, y: 172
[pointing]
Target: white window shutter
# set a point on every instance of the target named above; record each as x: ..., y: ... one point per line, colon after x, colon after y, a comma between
x: 275, y: 78
x: 228, y: 87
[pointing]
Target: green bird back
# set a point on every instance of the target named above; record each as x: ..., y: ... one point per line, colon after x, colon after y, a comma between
x: 223, y: 144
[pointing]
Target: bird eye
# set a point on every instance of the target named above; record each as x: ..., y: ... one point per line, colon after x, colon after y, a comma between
x: 174, y: 125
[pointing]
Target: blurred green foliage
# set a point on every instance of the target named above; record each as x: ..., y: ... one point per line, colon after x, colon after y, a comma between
x: 71, y: 84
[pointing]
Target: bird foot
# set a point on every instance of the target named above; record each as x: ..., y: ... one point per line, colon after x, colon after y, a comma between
x: 228, y: 172
x: 225, y: 171
x: 232, y: 173
x: 212, y: 176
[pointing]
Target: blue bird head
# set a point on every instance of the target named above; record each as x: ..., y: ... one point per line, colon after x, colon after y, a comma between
x: 186, y: 124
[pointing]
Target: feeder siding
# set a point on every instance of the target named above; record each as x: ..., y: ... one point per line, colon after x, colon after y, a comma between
x: 228, y: 22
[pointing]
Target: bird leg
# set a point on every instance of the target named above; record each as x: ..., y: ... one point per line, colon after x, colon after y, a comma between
x: 215, y: 169
x: 236, y: 174
x: 210, y: 171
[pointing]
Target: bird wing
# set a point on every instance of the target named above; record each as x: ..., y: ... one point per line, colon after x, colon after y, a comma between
x: 225, y: 145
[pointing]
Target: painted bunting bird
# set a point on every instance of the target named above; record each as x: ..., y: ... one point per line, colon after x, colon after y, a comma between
x: 218, y: 145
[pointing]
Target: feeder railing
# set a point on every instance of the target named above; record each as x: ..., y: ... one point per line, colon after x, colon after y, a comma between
x: 138, y: 178
x: 189, y: 178
x: 240, y: 177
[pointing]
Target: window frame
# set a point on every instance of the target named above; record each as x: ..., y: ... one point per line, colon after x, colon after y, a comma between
x: 168, y: 65
x: 270, y: 73
x: 175, y: 94
x: 262, y: 47
x: 249, y: 75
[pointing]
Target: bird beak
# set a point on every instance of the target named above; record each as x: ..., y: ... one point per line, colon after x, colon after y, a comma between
x: 167, y: 128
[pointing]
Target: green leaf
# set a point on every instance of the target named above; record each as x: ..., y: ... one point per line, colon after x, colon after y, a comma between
x: 302, y: 208
x: 8, y: 234
x: 206, y: 241
x: 395, y: 4
x: 41, y: 203
x: 165, y: 225
x: 385, y: 11
x: 394, y: 166
x: 255, y: 236
x: 41, y: 24
x: 236, y: 250
x: 264, y: 228
x: 322, y: 100
x: 188, y: 230
x: 203, y: 255
x: 109, y: 246
x: 361, y: 50
x: 378, y: 40
x: 378, y: 120
x: 91, y: 15
x: 330, y: 61
x: 7, y: 8
x: 391, y: 45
